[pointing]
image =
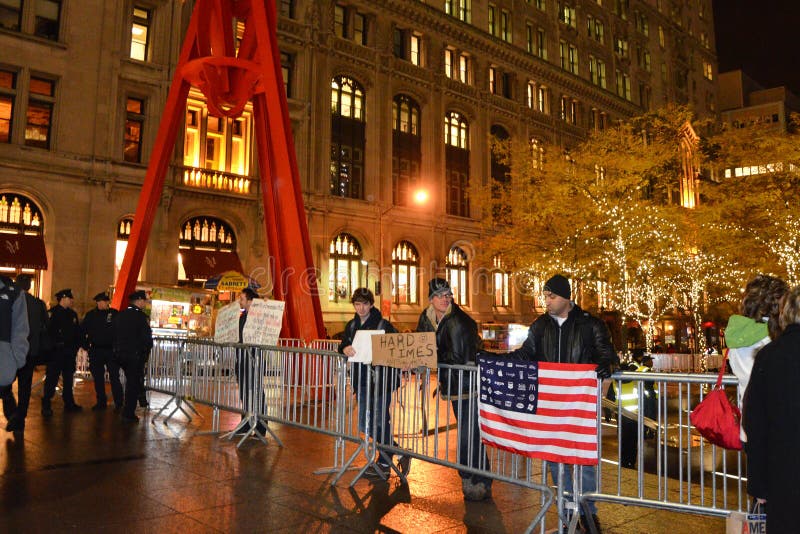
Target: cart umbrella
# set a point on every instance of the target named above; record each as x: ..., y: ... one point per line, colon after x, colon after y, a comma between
x: 230, y: 281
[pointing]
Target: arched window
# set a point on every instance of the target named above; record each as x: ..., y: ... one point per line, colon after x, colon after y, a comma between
x: 207, y: 233
x: 405, y: 270
x: 500, y: 283
x: 406, y: 149
x: 457, y: 272
x: 207, y: 247
x: 123, y: 234
x: 456, y: 138
x: 348, y: 138
x: 344, y: 267
x: 21, y: 238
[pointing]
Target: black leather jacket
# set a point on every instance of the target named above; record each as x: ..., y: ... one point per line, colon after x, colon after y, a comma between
x: 582, y: 338
x: 456, y: 344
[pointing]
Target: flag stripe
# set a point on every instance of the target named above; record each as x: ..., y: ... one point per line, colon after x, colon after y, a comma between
x: 539, y: 409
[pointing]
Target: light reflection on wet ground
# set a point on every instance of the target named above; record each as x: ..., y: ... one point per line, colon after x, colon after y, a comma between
x: 89, y: 472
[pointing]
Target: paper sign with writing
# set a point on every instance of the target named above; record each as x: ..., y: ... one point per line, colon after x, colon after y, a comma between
x: 264, y: 320
x: 226, y: 327
x: 405, y: 350
x: 362, y: 344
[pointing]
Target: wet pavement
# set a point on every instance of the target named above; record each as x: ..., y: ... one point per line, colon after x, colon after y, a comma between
x: 92, y: 472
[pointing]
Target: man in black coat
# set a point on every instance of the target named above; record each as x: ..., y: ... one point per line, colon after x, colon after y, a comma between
x: 98, y: 331
x: 65, y: 331
x: 374, y: 386
x: 457, y: 344
x: 38, y: 337
x: 567, y: 334
x: 14, y: 336
x: 771, y: 407
x: 133, y: 340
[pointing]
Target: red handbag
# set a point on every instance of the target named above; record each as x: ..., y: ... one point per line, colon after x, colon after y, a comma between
x: 716, y: 418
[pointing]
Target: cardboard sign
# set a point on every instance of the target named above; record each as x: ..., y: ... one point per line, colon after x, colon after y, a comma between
x: 226, y: 327
x: 405, y: 351
x: 264, y: 320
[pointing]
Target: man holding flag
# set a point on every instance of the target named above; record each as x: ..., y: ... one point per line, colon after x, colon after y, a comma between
x: 564, y: 335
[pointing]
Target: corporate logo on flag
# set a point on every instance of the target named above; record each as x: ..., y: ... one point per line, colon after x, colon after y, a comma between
x: 539, y: 409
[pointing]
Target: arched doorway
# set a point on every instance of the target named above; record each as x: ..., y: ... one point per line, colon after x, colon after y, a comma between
x: 22, y: 239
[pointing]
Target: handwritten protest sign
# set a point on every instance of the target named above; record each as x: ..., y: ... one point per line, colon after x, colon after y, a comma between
x: 405, y: 350
x: 362, y: 344
x: 226, y: 327
x: 264, y: 320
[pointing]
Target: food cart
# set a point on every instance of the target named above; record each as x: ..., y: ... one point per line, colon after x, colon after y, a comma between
x: 181, y: 312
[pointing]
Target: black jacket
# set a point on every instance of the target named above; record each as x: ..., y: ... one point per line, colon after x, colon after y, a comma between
x: 38, y: 336
x: 64, y: 329
x: 132, y: 335
x: 375, y: 321
x: 582, y: 338
x: 98, y: 328
x: 456, y: 344
x: 771, y: 407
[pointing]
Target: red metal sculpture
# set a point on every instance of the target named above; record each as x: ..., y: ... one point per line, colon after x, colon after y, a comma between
x: 229, y: 79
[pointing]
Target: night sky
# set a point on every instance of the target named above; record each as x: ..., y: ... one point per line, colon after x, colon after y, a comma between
x: 761, y: 37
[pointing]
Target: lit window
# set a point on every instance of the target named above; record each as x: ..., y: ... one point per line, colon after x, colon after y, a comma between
x: 457, y: 270
x: 123, y: 235
x: 140, y: 33
x: 457, y: 164
x: 217, y: 143
x: 505, y: 26
x: 529, y: 38
x: 500, y: 284
x: 463, y: 68
x: 348, y: 138
x: 449, y: 63
x: 344, y: 267
x: 406, y: 149
x: 405, y: 273
x: 40, y: 112
x: 461, y: 9
x: 134, y: 122
x: 8, y: 86
x: 541, y: 44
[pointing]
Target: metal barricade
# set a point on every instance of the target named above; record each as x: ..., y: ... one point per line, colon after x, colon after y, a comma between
x: 655, y: 458
x: 392, y: 416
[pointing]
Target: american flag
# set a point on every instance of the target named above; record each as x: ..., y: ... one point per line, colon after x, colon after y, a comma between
x: 539, y: 409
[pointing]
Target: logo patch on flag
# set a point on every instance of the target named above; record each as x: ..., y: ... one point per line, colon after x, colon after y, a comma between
x: 539, y: 409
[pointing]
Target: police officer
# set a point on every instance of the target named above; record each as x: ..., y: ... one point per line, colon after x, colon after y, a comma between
x: 98, y: 330
x: 133, y: 340
x: 66, y: 333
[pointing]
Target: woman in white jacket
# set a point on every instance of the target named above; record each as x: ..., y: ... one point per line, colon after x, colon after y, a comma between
x: 755, y: 327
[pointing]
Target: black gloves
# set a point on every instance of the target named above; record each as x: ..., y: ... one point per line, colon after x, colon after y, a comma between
x: 603, y: 371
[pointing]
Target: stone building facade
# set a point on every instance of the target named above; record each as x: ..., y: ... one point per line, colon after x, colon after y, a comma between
x: 392, y: 103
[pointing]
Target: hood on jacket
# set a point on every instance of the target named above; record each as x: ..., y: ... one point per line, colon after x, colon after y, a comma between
x: 743, y: 331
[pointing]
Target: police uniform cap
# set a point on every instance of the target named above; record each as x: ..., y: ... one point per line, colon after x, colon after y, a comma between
x: 64, y: 293
x: 101, y: 296
x: 136, y: 295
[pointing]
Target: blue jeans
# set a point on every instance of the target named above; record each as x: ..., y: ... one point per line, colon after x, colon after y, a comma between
x: 588, y: 479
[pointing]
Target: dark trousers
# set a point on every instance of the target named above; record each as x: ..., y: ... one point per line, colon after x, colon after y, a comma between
x: 629, y: 443
x: 24, y: 385
x: 382, y: 382
x: 61, y: 364
x: 101, y: 359
x: 249, y: 373
x: 470, y: 451
x: 131, y: 364
x: 143, y: 371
